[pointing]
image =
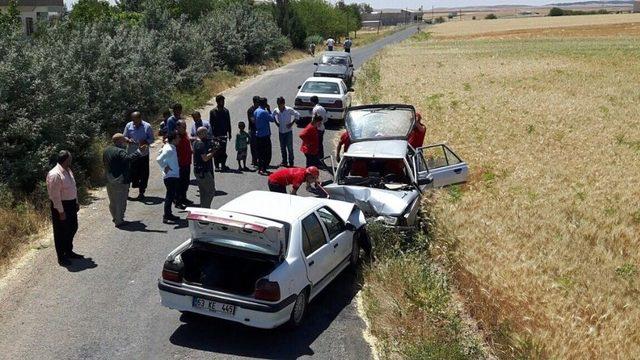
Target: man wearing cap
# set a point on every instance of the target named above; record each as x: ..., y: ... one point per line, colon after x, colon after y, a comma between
x: 117, y: 163
x: 63, y: 193
x: 295, y: 176
x: 137, y: 133
x: 220, y: 120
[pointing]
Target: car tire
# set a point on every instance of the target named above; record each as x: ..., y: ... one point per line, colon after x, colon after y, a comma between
x: 299, y: 310
x: 354, y: 258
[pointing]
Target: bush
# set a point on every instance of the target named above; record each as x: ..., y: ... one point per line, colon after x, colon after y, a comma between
x: 315, y: 39
x: 491, y: 16
x: 556, y: 11
x: 439, y: 20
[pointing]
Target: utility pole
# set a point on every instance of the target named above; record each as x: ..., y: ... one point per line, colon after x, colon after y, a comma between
x: 379, y: 20
x: 460, y: 13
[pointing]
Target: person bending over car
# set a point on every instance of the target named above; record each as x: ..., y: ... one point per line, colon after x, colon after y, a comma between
x: 295, y: 176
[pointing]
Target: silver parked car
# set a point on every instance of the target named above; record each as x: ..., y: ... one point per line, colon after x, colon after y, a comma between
x: 381, y: 173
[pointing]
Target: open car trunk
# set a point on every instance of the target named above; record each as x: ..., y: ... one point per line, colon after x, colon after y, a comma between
x: 225, y: 269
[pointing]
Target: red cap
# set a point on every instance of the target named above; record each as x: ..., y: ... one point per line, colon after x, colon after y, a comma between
x: 312, y: 170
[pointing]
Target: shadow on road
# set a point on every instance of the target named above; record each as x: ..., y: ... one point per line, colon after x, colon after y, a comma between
x: 151, y: 200
x: 78, y: 265
x: 139, y: 226
x: 218, y: 336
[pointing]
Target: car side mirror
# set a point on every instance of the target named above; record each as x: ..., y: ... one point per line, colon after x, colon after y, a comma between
x: 299, y: 86
x: 349, y: 226
x: 350, y: 65
x: 425, y: 179
x: 316, y: 64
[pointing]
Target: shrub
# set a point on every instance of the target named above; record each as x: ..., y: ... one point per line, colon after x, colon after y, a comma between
x: 315, y: 39
x: 439, y: 20
x: 556, y: 11
x: 491, y: 16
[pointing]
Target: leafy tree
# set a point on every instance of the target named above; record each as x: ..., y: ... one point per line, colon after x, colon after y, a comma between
x: 11, y: 19
x: 365, y: 8
x: 556, y: 11
x: 91, y: 11
x: 491, y: 16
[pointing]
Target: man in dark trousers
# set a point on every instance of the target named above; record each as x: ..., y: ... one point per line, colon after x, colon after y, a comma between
x: 184, y: 161
x: 172, y: 121
x: 263, y: 135
x: 63, y: 194
x: 220, y: 121
x: 117, y: 164
x: 252, y: 130
x: 138, y: 133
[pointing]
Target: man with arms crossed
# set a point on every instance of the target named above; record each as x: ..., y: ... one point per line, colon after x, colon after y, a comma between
x: 138, y: 133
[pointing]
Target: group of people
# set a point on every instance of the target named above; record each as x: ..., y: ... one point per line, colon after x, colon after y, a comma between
x: 331, y: 43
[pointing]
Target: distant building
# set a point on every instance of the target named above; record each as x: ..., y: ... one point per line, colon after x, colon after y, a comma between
x: 34, y: 11
x: 390, y: 17
x: 636, y: 6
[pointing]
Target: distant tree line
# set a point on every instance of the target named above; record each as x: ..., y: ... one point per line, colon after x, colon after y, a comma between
x: 556, y: 11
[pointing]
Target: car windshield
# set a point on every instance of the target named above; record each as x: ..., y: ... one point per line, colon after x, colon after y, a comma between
x: 334, y: 60
x: 379, y: 173
x: 321, y: 87
x: 379, y: 123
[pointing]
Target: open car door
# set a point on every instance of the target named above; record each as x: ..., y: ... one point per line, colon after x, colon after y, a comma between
x: 442, y: 164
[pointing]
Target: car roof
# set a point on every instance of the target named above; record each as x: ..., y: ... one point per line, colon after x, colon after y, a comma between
x: 386, y: 149
x: 336, y: 53
x: 271, y: 205
x: 324, y: 79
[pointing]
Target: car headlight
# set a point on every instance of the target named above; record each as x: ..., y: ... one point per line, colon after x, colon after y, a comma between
x: 389, y: 220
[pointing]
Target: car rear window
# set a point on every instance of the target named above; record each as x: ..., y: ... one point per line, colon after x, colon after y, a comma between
x: 321, y: 87
x: 334, y: 60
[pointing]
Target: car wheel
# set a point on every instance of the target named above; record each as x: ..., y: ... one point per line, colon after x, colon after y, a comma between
x: 299, y: 310
x: 354, y: 259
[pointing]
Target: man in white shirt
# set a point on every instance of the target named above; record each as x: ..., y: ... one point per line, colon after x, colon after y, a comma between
x: 321, y: 111
x: 285, y: 119
x: 330, y: 43
x: 168, y: 161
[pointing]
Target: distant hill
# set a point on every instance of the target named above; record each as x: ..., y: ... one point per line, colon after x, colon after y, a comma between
x: 595, y: 3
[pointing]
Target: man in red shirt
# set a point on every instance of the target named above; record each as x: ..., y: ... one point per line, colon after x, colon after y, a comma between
x: 185, y: 154
x: 295, y: 176
x: 345, y: 141
x: 311, y: 141
x: 416, y: 136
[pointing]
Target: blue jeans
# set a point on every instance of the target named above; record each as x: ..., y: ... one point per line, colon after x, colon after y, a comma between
x: 286, y: 145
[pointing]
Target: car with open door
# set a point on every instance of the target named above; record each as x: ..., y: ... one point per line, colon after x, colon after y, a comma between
x: 335, y: 64
x: 381, y: 173
x: 260, y: 259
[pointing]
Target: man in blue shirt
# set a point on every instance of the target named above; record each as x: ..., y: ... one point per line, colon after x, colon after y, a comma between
x: 139, y: 135
x: 198, y: 123
x: 172, y: 122
x: 263, y: 119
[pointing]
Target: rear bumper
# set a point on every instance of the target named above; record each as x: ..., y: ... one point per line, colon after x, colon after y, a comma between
x: 255, y: 314
x: 332, y: 113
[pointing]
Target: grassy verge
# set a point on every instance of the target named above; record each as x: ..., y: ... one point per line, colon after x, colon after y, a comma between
x: 407, y: 296
x: 541, y: 243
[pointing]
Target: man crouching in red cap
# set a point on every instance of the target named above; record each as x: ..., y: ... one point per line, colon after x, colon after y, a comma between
x: 295, y: 176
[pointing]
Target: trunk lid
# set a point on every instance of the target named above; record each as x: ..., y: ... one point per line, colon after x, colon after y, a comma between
x: 238, y: 231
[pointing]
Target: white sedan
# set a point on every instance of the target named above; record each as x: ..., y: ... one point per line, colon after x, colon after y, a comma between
x: 260, y: 259
x: 332, y: 94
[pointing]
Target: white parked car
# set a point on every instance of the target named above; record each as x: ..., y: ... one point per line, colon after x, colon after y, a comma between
x: 333, y: 94
x: 260, y: 259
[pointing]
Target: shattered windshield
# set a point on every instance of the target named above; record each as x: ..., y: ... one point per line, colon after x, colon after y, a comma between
x: 379, y: 173
x: 379, y: 123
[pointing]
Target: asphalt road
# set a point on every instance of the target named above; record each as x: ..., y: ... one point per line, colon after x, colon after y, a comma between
x: 109, y: 308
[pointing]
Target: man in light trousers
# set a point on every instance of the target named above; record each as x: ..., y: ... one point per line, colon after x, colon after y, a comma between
x: 117, y: 170
x: 203, y: 153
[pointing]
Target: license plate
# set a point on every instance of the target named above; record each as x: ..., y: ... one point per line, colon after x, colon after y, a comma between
x: 213, y: 306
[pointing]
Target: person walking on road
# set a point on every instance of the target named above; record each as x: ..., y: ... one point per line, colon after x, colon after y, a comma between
x: 330, y: 43
x: 285, y: 117
x: 138, y: 135
x: 203, y: 153
x: 310, y: 139
x: 184, y: 162
x: 347, y: 45
x: 118, y: 166
x: 319, y: 110
x: 295, y: 176
x: 172, y: 121
x: 220, y: 120
x: 344, y: 142
x: 63, y: 195
x: 312, y: 49
x: 252, y: 131
x: 263, y: 119
x: 197, y: 124
x: 168, y: 161
x: 242, y: 143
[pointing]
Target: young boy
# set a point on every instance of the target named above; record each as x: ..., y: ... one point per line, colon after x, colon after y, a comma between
x: 242, y: 139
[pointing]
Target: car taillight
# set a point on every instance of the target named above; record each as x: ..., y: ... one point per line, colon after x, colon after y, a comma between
x: 171, y: 275
x: 267, y: 290
x: 336, y: 104
x: 298, y: 102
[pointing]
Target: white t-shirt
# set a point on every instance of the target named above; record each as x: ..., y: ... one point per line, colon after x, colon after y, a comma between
x: 285, y: 118
x: 330, y: 42
x: 320, y: 110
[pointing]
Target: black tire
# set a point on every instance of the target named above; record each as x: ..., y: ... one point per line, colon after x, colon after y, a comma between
x: 299, y: 310
x: 354, y: 258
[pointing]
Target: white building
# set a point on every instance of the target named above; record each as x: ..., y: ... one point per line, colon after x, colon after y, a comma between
x: 33, y: 11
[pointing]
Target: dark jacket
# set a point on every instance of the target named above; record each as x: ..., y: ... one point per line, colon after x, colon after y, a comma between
x: 116, y: 164
x: 220, y: 121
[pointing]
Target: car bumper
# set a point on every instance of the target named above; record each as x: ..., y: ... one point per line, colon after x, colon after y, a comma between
x: 259, y: 315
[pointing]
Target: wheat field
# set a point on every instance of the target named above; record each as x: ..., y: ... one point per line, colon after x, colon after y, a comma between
x: 542, y: 242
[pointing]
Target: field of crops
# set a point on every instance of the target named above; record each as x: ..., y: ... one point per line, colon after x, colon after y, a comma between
x: 542, y: 243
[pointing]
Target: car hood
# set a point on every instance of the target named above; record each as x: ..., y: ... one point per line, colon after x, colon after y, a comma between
x: 331, y: 69
x: 374, y: 201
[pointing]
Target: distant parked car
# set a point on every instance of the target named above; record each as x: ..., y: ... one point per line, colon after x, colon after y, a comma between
x: 382, y: 174
x: 332, y: 93
x: 260, y: 259
x: 335, y: 64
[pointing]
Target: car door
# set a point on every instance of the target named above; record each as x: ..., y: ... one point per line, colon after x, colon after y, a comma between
x: 317, y: 250
x: 339, y: 238
x: 442, y: 164
x: 346, y: 95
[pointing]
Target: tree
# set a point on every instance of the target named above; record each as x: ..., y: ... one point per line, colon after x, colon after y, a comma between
x: 90, y: 11
x: 11, y: 19
x: 556, y: 11
x: 365, y: 8
x: 491, y: 16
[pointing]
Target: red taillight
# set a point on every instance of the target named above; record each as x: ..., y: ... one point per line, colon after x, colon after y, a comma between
x: 336, y: 104
x: 267, y: 290
x: 170, y: 275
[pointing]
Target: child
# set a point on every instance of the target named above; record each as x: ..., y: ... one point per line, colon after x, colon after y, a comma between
x: 242, y: 139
